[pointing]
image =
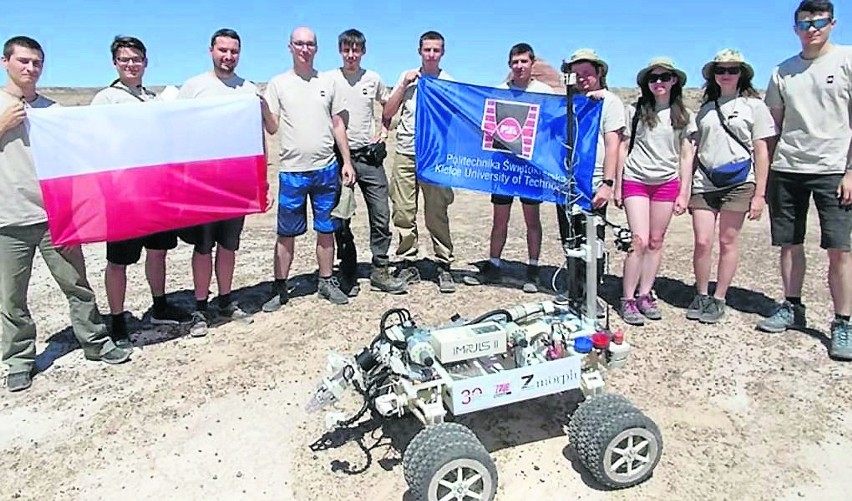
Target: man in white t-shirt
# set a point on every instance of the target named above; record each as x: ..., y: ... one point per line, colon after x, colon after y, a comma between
x: 361, y: 90
x: 810, y: 98
x: 224, y: 236
x: 304, y: 108
x: 23, y: 230
x: 130, y: 58
x: 405, y: 186
x: 521, y: 60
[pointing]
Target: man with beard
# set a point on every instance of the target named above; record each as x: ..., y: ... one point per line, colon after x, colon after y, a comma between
x: 130, y: 58
x: 224, y: 235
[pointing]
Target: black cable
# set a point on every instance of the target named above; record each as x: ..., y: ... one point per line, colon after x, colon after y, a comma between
x: 490, y: 314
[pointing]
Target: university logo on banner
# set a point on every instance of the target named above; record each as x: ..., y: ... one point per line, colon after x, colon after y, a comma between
x: 510, y: 127
x: 504, y: 141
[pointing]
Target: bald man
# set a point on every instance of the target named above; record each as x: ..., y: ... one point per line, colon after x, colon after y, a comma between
x: 303, y: 108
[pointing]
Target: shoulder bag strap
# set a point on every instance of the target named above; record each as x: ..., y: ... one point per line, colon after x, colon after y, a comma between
x: 125, y: 89
x: 729, y: 131
x: 633, y: 126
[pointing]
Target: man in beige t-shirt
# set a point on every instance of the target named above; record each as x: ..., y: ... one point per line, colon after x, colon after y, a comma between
x: 130, y: 58
x: 810, y: 98
x: 303, y: 107
x: 521, y: 60
x: 361, y: 90
x: 224, y: 236
x: 23, y: 229
x: 404, y: 183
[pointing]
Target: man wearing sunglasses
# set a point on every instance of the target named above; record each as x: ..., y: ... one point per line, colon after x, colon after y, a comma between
x: 130, y: 58
x: 809, y: 96
x: 304, y: 109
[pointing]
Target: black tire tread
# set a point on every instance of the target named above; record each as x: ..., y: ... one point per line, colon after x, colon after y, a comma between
x: 602, y: 431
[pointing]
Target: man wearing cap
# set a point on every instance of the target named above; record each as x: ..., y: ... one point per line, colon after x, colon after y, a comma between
x: 521, y: 60
x: 130, y: 58
x: 809, y: 96
x: 23, y: 229
x: 591, y: 72
x: 405, y: 186
x: 361, y: 89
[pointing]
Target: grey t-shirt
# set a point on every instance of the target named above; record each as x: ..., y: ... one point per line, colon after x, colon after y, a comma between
x: 119, y: 93
x: 19, y: 187
x: 208, y: 84
x: 655, y: 158
x: 816, y: 95
x: 405, y: 129
x: 360, y: 92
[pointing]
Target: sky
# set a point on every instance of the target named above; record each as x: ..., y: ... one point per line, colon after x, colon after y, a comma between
x: 626, y: 33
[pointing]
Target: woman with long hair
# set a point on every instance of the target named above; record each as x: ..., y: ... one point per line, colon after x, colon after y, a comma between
x: 656, y: 153
x: 732, y: 165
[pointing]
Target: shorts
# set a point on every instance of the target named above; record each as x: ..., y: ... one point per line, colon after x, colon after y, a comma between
x: 294, y: 187
x: 205, y: 237
x: 733, y: 199
x: 666, y: 192
x: 127, y: 252
x: 506, y: 200
x: 788, y: 197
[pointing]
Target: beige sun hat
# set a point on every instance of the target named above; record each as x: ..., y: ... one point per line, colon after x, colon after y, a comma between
x: 661, y: 62
x: 727, y: 56
x: 588, y: 55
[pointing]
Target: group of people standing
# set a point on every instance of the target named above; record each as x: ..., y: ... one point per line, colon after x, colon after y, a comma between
x: 655, y: 159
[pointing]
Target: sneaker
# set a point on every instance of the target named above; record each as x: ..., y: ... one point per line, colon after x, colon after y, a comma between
x: 786, y: 316
x: 168, y: 316
x: 232, y: 310
x: 276, y: 302
x: 382, y: 280
x: 714, y: 310
x: 630, y: 312
x: 693, y: 312
x: 841, y: 340
x: 19, y: 381
x: 531, y: 283
x: 446, y: 284
x: 198, y: 324
x: 329, y: 288
x: 122, y: 342
x: 114, y: 356
x: 647, y: 305
x: 489, y: 274
x: 409, y: 273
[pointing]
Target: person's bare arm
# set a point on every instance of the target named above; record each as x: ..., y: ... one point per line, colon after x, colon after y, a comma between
x: 11, y: 117
x: 772, y: 142
x: 347, y: 172
x: 396, y: 97
x: 761, y: 174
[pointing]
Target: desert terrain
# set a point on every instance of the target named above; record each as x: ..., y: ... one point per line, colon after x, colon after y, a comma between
x: 744, y: 415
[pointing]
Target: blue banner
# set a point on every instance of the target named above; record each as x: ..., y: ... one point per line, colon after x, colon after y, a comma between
x: 507, y: 142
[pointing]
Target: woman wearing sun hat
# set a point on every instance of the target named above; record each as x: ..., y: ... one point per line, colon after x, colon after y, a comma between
x: 731, y: 168
x: 656, y: 161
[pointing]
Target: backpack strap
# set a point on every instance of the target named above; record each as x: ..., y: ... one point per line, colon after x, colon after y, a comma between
x: 634, y: 124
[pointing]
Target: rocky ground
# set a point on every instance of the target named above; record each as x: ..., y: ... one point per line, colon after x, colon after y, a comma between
x: 743, y: 415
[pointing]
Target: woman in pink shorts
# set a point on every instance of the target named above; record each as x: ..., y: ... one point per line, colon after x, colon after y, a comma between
x: 648, y: 183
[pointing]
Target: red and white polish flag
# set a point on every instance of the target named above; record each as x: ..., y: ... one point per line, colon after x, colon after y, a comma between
x: 110, y: 173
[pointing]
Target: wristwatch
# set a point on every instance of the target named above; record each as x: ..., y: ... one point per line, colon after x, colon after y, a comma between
x: 608, y: 182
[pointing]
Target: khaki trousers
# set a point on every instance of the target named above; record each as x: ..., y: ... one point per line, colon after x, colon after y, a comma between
x: 404, y: 189
x: 17, y: 251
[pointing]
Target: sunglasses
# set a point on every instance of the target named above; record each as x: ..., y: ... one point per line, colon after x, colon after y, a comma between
x: 721, y: 70
x: 818, y: 24
x: 660, y: 77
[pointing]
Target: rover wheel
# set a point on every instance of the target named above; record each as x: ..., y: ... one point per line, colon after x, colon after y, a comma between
x: 591, y: 410
x: 623, y: 450
x: 417, y: 446
x: 449, y: 465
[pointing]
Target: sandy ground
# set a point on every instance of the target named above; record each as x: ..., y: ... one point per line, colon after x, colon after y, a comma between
x: 743, y: 415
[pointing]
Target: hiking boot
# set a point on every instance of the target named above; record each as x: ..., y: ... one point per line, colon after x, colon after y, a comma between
x: 531, y: 282
x: 693, y: 312
x: 786, y: 316
x: 408, y: 272
x: 489, y: 274
x: 276, y: 301
x: 350, y: 286
x: 841, y: 340
x: 630, y: 312
x: 647, y: 305
x: 382, y: 280
x: 446, y: 284
x: 198, y: 324
x: 114, y: 356
x: 18, y: 381
x: 329, y: 288
x: 168, y: 316
x: 714, y: 310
